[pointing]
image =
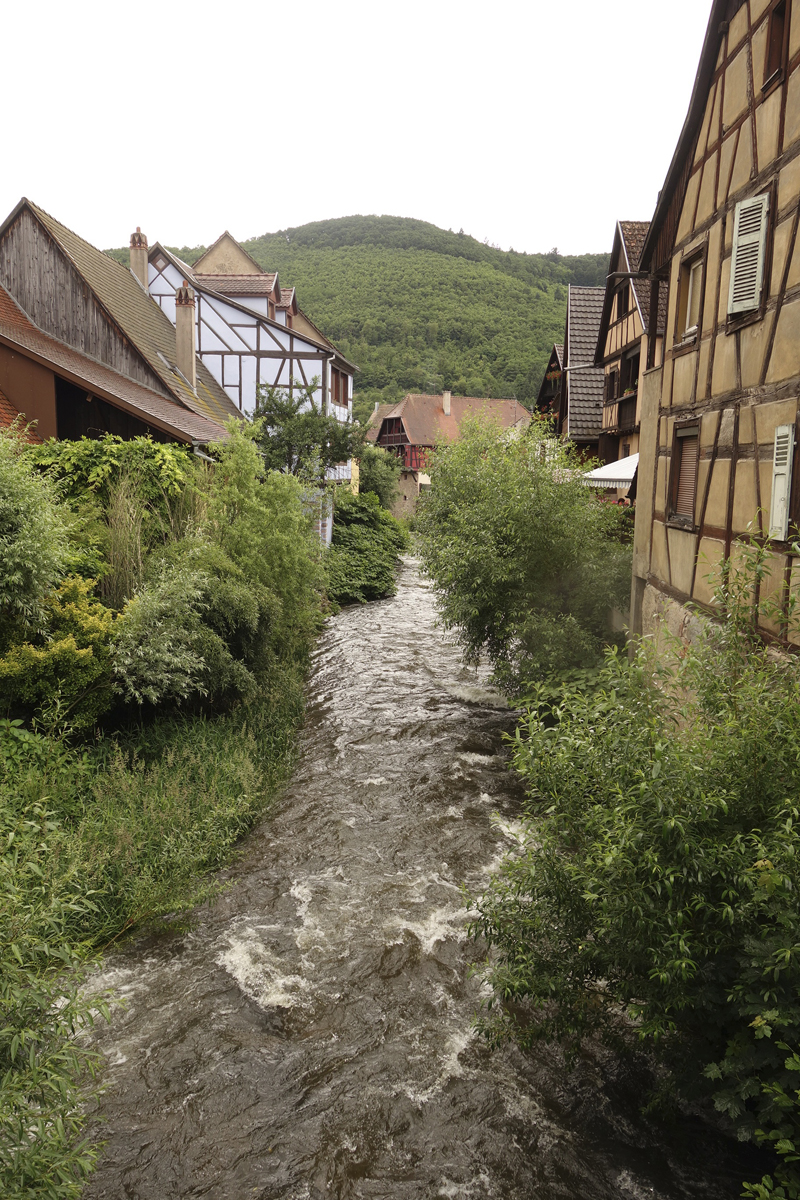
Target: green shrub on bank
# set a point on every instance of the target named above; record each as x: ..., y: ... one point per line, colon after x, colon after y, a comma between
x: 378, y: 474
x: 660, y: 872
x: 63, y: 676
x: 33, y: 542
x: 365, y: 547
x: 525, y: 563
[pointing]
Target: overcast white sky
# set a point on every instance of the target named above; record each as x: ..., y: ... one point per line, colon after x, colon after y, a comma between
x: 531, y: 125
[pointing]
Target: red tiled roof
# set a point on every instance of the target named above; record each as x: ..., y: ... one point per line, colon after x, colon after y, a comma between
x: 238, y: 285
x: 287, y: 299
x: 17, y: 330
x: 9, y: 414
x: 425, y: 422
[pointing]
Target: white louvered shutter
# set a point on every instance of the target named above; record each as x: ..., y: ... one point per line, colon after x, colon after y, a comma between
x: 781, y: 482
x: 749, y: 243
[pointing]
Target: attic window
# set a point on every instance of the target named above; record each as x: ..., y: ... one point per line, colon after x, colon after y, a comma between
x: 623, y: 301
x: 159, y: 262
x: 776, y: 43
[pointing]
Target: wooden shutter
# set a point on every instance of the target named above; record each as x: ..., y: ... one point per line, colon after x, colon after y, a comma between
x: 747, y: 262
x: 781, y: 482
x: 687, y: 473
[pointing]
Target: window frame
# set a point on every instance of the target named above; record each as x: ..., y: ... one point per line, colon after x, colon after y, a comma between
x: 682, y: 430
x: 778, y: 72
x: 685, y: 338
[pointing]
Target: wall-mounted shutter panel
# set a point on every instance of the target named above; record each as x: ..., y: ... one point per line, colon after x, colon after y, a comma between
x: 687, y: 477
x: 781, y: 482
x: 747, y: 263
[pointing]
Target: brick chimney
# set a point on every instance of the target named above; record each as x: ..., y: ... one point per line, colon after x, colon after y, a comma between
x: 184, y: 334
x: 139, y: 256
x: 446, y: 404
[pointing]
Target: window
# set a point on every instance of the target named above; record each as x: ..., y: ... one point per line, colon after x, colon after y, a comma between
x: 630, y: 371
x: 623, y: 301
x: 749, y: 250
x: 776, y: 41
x: 690, y: 298
x: 612, y: 386
x: 781, y: 482
x: 684, y: 473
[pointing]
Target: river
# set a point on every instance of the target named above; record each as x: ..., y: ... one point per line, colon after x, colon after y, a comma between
x: 310, y: 1035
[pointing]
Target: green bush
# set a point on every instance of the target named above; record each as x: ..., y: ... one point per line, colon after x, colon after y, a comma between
x: 367, y: 541
x: 33, y: 541
x: 44, y: 1074
x: 378, y: 474
x: 526, y: 564
x: 63, y: 676
x: 258, y: 520
x: 660, y: 871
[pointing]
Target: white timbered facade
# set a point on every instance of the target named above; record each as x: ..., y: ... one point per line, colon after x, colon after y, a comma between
x: 247, y: 338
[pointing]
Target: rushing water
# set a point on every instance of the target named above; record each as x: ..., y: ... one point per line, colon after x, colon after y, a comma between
x: 311, y: 1036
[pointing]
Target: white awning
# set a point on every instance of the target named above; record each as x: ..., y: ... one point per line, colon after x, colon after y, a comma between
x: 613, y: 475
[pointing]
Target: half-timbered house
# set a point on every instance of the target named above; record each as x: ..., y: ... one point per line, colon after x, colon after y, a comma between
x: 412, y: 428
x: 622, y: 342
x: 249, y: 334
x: 84, y: 351
x: 719, y: 418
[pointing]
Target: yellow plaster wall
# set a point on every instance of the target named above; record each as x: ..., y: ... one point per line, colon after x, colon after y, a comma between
x: 226, y: 258
x: 791, y: 129
x: 754, y: 342
x: 768, y: 117
x: 724, y: 377
x: 717, y: 506
x: 737, y: 31
x: 784, y: 361
x: 759, y: 50
x: 743, y: 167
x: 709, y: 556
x: 705, y: 205
x: 659, y: 565
x: 681, y: 558
x: 735, y: 100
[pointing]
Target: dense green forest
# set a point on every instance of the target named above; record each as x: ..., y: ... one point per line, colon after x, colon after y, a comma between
x: 418, y: 308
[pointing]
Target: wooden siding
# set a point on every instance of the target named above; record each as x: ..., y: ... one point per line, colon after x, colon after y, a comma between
x: 48, y: 287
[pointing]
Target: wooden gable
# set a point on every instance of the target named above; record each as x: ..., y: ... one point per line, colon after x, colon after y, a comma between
x: 50, y: 289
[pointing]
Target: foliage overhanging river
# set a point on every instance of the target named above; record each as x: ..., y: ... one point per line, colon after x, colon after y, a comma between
x: 311, y: 1035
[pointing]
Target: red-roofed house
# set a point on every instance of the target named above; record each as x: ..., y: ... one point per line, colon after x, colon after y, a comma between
x: 412, y: 428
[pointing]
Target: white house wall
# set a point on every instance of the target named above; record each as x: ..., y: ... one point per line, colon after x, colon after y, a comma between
x: 242, y: 349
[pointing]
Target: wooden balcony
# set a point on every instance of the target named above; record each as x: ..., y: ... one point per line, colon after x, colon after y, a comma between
x: 619, y: 416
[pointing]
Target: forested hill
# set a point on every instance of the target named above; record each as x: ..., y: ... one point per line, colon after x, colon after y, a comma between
x: 419, y: 308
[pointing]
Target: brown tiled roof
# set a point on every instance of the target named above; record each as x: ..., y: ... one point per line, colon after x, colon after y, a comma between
x: 18, y: 331
x: 584, y: 387
x: 140, y: 319
x: 287, y: 299
x: 425, y: 422
x: 634, y: 234
x: 238, y: 285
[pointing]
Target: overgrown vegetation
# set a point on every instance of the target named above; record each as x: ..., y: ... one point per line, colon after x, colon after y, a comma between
x: 366, y: 543
x: 654, y: 896
x: 379, y: 474
x: 420, y: 309
x: 526, y: 563
x: 167, y: 610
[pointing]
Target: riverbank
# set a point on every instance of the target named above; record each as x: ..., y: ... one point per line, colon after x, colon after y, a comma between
x: 94, y: 843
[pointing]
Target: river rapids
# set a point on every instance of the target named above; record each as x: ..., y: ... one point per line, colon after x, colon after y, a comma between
x: 311, y: 1036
